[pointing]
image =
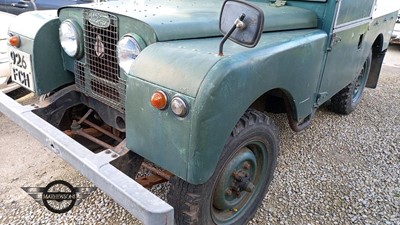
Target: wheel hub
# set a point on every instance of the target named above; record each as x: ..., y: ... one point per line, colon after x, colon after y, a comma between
x: 242, y: 182
x: 236, y: 181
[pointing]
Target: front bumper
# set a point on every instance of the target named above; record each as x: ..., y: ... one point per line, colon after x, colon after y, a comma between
x: 140, y: 202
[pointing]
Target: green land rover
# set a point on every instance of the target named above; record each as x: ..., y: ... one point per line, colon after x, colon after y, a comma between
x: 182, y: 87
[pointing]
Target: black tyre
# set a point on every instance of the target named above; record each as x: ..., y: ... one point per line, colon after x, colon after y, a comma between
x: 240, y: 181
x: 346, y: 100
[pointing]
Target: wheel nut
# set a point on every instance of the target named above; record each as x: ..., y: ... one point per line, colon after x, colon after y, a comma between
x: 249, y: 187
x: 246, y: 165
x: 228, y: 191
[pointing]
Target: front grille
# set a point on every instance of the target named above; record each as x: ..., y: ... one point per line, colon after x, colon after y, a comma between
x: 99, y: 76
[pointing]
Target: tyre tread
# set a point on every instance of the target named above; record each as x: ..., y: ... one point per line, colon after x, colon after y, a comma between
x: 342, y: 102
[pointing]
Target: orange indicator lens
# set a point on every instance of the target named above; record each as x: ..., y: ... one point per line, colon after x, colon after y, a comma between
x: 159, y: 100
x: 14, y: 41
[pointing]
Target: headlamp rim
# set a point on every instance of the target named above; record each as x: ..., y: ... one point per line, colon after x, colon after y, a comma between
x: 78, y: 34
x: 138, y: 43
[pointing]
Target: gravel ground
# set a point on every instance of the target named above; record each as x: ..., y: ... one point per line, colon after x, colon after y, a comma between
x: 342, y: 170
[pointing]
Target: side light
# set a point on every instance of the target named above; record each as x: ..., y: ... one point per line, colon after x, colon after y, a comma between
x: 159, y: 100
x: 14, y: 41
x: 179, y: 107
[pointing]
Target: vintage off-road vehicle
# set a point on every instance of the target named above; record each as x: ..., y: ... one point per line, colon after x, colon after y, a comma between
x: 155, y: 80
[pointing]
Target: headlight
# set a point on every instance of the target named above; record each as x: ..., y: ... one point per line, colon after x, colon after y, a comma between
x: 69, y: 38
x: 128, y: 49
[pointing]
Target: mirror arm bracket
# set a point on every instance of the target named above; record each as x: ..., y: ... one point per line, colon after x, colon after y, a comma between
x: 227, y: 35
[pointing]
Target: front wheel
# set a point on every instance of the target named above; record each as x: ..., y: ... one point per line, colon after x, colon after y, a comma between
x: 346, y: 100
x: 240, y: 181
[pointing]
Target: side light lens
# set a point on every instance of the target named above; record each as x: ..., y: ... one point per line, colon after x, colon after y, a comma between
x: 178, y: 107
x: 159, y: 100
x: 69, y: 38
x: 128, y: 49
x: 14, y: 41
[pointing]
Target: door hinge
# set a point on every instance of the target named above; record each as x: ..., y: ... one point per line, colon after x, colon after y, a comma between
x: 334, y: 40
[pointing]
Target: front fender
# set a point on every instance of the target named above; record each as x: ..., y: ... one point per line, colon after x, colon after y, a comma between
x: 38, y: 32
x: 218, y: 90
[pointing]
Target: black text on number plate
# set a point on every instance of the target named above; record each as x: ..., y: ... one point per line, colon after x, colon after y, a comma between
x: 21, y: 70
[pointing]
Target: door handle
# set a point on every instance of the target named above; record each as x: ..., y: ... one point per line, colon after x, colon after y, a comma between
x: 21, y: 5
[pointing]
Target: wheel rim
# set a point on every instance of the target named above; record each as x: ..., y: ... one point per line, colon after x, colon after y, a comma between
x: 239, y: 183
x: 360, y: 84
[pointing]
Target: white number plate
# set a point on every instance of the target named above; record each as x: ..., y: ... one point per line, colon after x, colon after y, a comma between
x: 21, y: 69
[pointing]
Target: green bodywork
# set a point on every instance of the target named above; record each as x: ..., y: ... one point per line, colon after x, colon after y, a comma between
x: 351, y: 11
x: 309, y: 50
x: 227, y: 87
x: 47, y: 63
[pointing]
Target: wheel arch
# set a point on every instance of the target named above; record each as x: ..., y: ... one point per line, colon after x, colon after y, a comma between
x: 274, y: 101
x: 270, y: 99
x: 279, y: 100
x: 199, y: 154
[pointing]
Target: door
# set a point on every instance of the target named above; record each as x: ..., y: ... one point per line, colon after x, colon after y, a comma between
x: 345, y: 53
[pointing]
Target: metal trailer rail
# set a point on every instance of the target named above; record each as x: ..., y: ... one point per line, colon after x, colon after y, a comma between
x: 136, y: 199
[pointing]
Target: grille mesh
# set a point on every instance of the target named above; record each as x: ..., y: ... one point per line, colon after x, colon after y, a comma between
x: 99, y: 76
